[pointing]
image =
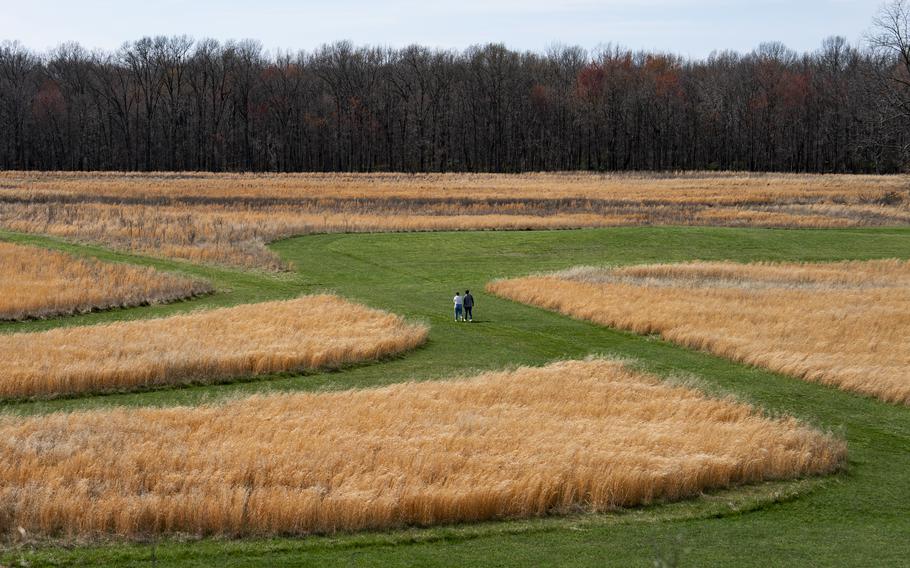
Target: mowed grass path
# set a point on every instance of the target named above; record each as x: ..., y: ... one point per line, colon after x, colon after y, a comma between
x: 861, y: 517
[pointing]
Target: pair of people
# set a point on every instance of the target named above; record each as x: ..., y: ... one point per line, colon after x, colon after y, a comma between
x: 464, y: 306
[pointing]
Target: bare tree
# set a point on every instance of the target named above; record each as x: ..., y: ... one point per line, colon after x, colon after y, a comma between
x: 890, y: 39
x: 18, y: 86
x: 172, y: 56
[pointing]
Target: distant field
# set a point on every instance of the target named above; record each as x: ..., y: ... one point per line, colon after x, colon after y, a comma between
x: 845, y: 324
x: 603, y: 437
x: 38, y: 283
x: 311, y: 332
x: 227, y: 219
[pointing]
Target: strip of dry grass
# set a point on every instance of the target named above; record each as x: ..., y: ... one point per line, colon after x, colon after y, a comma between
x: 723, y: 187
x: 40, y: 283
x: 580, y: 435
x: 227, y: 218
x: 845, y: 324
x: 306, y: 333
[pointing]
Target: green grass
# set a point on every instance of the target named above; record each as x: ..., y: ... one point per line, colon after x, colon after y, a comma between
x: 860, y: 517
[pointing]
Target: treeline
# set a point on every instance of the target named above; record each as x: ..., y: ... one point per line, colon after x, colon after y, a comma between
x: 172, y: 103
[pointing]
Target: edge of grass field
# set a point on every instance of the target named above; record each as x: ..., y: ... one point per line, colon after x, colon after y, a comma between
x: 714, y: 504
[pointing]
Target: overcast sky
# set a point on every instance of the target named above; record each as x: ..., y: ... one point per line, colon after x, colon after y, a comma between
x: 687, y: 27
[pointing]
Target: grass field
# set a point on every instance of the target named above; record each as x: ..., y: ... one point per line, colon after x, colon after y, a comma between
x: 310, y: 332
x: 430, y: 453
x: 38, y: 283
x: 845, y: 324
x: 227, y: 219
x: 859, y: 517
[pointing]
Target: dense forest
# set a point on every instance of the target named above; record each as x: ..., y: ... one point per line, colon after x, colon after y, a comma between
x: 172, y: 103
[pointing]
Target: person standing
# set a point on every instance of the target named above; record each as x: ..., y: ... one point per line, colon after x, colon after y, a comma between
x: 468, y: 302
x: 459, y: 302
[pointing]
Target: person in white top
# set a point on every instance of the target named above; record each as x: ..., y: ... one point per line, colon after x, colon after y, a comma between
x: 459, y: 303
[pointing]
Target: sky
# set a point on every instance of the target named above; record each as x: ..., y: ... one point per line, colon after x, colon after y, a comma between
x: 693, y: 28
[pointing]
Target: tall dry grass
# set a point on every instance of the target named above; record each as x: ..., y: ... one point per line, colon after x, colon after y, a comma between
x: 306, y: 333
x: 40, y: 283
x: 581, y: 435
x: 228, y: 218
x: 845, y: 324
x: 718, y: 187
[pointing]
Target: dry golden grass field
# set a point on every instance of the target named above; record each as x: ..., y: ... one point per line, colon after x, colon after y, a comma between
x: 845, y: 324
x: 306, y: 333
x: 227, y: 218
x: 39, y: 283
x: 603, y: 437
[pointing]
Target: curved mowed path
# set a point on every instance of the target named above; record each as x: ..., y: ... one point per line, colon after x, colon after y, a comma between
x: 859, y: 517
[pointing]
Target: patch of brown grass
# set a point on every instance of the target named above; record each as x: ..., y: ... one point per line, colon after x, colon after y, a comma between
x: 228, y: 218
x: 581, y: 435
x: 40, y: 283
x: 845, y: 324
x: 306, y: 333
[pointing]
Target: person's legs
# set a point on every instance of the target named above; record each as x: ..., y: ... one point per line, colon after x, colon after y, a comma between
x: 467, y: 314
x: 457, y: 312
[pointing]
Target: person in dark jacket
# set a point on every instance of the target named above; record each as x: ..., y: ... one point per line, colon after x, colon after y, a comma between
x: 468, y: 305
